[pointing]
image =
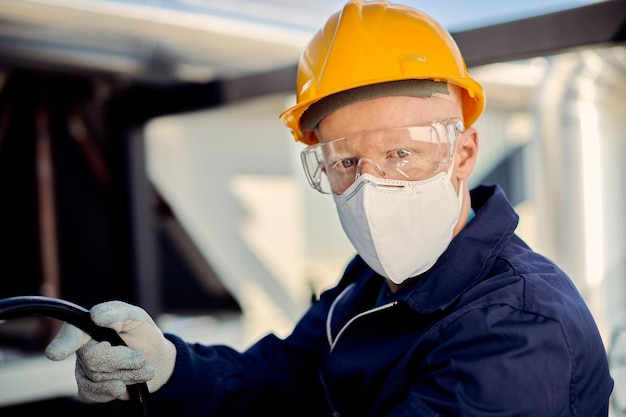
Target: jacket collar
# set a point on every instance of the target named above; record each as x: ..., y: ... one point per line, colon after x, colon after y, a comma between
x: 470, y: 255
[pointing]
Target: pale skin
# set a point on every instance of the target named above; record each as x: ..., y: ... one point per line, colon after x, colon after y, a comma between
x: 394, y: 111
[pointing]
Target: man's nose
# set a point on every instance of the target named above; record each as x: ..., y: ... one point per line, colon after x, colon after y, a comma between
x: 368, y: 166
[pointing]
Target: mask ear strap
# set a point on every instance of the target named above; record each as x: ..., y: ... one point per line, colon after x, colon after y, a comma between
x: 449, y: 176
x: 451, y: 167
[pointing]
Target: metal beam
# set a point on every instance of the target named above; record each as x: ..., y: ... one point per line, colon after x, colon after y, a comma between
x: 596, y: 24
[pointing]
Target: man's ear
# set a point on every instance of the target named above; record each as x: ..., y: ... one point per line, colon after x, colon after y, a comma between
x: 466, y: 153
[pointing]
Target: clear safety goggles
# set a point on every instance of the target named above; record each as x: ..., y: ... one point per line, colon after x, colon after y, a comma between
x: 410, y: 153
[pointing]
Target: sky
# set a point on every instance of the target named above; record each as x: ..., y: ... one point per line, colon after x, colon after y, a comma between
x: 310, y: 14
x: 463, y: 14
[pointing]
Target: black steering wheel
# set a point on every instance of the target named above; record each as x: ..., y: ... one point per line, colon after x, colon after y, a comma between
x: 23, y: 306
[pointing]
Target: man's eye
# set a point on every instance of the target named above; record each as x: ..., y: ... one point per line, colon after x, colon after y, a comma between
x: 343, y: 164
x: 402, y: 153
x: 348, y: 163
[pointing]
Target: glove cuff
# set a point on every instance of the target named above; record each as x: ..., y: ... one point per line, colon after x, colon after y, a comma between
x: 163, y: 360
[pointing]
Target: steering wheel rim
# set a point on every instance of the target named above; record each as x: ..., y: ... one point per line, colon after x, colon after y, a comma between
x: 31, y: 305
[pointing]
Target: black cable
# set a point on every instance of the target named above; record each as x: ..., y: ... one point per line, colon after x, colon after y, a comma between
x: 23, y: 306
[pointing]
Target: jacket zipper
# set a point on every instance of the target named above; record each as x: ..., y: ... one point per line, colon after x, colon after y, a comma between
x: 332, y: 343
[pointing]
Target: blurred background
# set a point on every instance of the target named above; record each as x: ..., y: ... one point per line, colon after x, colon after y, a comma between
x: 142, y: 159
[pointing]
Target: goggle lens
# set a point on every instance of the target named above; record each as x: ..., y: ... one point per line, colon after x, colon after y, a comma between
x: 411, y: 153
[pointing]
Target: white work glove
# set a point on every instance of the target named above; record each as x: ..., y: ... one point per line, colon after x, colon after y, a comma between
x: 103, y: 371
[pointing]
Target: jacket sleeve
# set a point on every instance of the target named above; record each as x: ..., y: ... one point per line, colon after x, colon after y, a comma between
x: 273, y: 377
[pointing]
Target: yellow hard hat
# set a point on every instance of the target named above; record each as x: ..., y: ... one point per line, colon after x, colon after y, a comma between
x: 376, y: 42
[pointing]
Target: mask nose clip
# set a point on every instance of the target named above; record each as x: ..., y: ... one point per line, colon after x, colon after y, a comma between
x: 362, y: 161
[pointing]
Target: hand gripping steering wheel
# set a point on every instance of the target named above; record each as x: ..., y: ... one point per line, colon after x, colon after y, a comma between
x: 23, y: 306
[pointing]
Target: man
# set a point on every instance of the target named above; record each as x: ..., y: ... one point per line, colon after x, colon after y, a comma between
x: 444, y: 312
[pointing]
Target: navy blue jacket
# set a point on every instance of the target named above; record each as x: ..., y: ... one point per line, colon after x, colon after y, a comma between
x: 492, y: 329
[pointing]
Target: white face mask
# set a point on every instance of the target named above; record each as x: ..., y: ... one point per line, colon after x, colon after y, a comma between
x: 400, y: 228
